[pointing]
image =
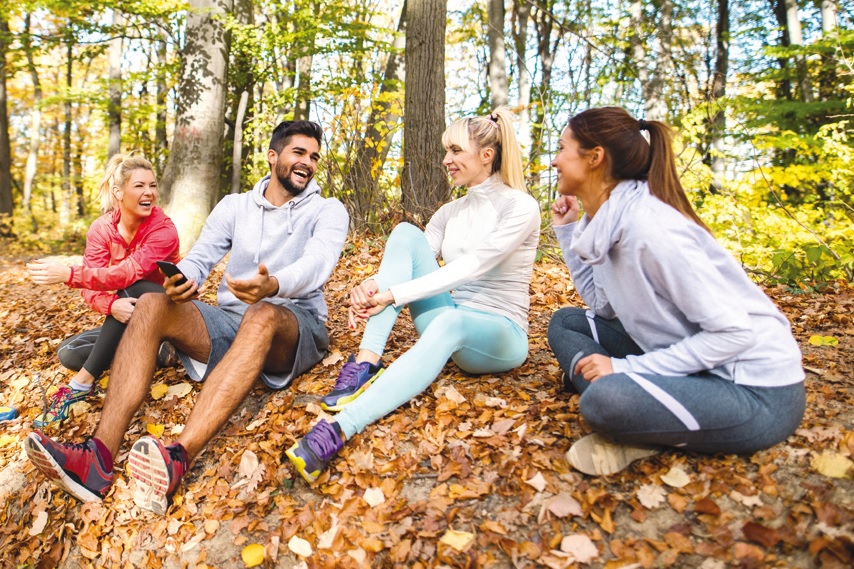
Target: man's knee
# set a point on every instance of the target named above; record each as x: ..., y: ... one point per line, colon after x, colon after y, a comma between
x: 266, y: 318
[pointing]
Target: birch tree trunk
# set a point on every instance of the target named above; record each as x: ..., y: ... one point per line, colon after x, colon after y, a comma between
x: 796, y: 38
x: 65, y: 201
x: 424, y: 182
x: 35, y: 125
x: 498, y: 88
x: 828, y: 83
x: 192, y: 181
x: 161, y: 138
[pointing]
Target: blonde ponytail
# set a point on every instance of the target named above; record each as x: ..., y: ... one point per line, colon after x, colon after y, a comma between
x: 117, y: 175
x: 492, y: 131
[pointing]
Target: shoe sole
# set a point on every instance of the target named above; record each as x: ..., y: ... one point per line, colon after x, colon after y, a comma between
x: 47, y: 465
x: 300, y: 464
x: 346, y: 400
x: 148, y: 468
x: 595, y: 456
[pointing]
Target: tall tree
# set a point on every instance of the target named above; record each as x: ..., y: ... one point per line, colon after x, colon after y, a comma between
x: 67, y: 191
x: 498, y: 87
x: 425, y: 183
x: 717, y: 122
x: 521, y: 16
x: 547, y: 46
x: 35, y: 122
x: 192, y: 181
x: 302, y: 105
x: 362, y: 178
x: 114, y: 104
x: 5, y: 145
x: 796, y: 38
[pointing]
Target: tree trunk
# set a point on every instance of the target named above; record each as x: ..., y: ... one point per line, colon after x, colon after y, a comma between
x: 718, y: 92
x: 302, y: 103
x: 796, y: 38
x: 65, y: 202
x: 784, y: 85
x: 35, y: 124
x: 114, y: 105
x: 372, y: 150
x: 523, y: 75
x: 828, y: 82
x: 237, y: 153
x: 424, y: 181
x: 544, y: 23
x: 5, y: 145
x: 191, y: 183
x: 161, y: 140
x: 497, y: 59
x: 655, y: 99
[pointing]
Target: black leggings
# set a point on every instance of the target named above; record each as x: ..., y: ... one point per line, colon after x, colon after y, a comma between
x: 93, y: 350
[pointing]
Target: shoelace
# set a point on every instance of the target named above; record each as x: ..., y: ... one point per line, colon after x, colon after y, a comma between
x: 323, y: 440
x: 349, y: 376
x: 61, y: 393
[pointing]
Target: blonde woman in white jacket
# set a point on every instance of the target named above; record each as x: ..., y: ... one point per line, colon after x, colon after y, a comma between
x: 488, y: 241
x: 678, y: 348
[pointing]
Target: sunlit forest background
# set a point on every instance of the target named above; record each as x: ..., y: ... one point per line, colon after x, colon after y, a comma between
x: 760, y: 93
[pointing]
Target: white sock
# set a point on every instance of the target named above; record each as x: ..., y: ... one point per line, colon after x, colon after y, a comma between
x: 77, y: 386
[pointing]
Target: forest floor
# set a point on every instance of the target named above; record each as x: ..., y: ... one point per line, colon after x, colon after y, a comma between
x: 471, y: 473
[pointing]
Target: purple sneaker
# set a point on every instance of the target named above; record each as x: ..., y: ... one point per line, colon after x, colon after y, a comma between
x: 312, y: 453
x: 77, y: 468
x: 157, y: 470
x: 353, y: 380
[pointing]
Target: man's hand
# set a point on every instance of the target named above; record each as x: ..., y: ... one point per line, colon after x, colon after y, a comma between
x: 122, y: 309
x: 593, y: 367
x: 48, y: 272
x: 565, y: 210
x: 180, y: 293
x: 255, y: 289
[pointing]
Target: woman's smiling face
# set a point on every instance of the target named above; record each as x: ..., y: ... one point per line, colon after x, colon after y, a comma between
x: 139, y: 194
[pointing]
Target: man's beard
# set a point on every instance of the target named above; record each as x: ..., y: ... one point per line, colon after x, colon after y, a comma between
x: 284, y: 179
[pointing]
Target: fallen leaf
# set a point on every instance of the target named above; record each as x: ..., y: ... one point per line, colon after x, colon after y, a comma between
x: 39, y: 523
x: 581, y: 547
x: 178, y: 390
x: 832, y: 465
x: 158, y: 390
x: 374, y: 497
x: 563, y: 505
x: 155, y: 429
x: 651, y: 496
x: 459, y: 540
x: 253, y: 554
x: 537, y: 482
x: 332, y: 358
x: 502, y: 426
x: 451, y: 393
x: 823, y: 341
x: 325, y: 540
x: 300, y: 546
x: 248, y: 464
x: 7, y: 440
x: 676, y: 477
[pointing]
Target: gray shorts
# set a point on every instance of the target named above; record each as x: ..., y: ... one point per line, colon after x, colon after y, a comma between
x: 222, y: 324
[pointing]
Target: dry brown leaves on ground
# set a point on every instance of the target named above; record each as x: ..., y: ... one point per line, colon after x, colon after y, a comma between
x: 469, y: 474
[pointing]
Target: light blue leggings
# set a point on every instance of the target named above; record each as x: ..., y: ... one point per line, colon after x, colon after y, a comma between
x: 478, y: 342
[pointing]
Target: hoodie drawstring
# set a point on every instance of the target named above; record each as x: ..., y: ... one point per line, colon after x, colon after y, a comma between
x: 260, y: 238
x: 291, y: 205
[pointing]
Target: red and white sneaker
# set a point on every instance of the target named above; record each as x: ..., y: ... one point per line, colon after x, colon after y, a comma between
x: 157, y: 470
x: 77, y: 468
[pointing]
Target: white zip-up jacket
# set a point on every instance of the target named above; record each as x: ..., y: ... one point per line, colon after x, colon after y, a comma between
x: 488, y: 240
x: 299, y: 242
x: 679, y: 294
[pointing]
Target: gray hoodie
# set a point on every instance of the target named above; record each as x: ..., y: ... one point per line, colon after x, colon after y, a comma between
x: 299, y: 242
x: 680, y: 295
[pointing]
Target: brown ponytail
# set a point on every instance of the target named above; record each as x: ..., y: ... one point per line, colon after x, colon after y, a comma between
x: 629, y: 155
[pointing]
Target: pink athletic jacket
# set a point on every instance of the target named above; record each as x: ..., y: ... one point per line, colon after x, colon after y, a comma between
x: 111, y: 264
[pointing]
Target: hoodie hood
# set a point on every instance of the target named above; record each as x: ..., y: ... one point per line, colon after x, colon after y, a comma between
x: 594, y: 238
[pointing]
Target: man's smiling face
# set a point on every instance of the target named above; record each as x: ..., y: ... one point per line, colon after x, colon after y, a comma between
x: 296, y: 164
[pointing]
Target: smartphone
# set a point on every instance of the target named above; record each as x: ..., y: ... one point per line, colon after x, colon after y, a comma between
x: 171, y: 269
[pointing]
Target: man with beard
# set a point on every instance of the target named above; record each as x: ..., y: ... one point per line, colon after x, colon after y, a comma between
x: 284, y: 240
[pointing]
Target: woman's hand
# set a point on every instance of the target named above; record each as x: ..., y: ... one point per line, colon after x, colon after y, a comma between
x: 593, y: 367
x: 379, y: 301
x: 362, y: 296
x: 565, y: 210
x: 122, y: 309
x: 48, y: 272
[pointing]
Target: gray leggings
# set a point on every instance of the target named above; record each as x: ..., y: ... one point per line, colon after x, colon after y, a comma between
x: 703, y: 412
x: 94, y: 349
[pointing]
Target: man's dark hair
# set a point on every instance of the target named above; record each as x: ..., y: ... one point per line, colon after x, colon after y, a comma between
x: 282, y: 134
